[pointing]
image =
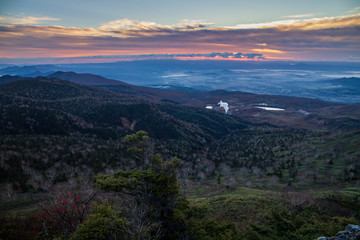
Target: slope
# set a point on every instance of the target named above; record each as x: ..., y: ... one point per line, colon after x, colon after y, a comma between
x: 243, y: 105
x: 102, y: 108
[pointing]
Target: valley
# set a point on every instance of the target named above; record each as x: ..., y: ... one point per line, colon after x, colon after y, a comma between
x: 59, y: 132
x: 327, y: 81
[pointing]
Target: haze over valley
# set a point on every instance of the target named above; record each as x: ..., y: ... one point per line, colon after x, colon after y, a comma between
x: 330, y: 81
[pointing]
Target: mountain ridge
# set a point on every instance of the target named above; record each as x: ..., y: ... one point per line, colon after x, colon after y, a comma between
x: 241, y: 104
x: 85, y: 78
x: 105, y: 108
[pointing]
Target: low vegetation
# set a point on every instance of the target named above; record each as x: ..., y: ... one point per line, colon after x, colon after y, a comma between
x: 78, y: 165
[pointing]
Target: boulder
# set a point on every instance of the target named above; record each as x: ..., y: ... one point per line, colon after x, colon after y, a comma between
x: 352, y: 232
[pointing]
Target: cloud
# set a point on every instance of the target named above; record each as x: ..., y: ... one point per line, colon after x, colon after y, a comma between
x: 193, y: 24
x: 355, y: 10
x: 263, y: 25
x: 232, y: 55
x: 128, y: 24
x: 300, y: 16
x: 354, y: 58
x: 29, y: 20
x: 215, y: 55
x: 333, y: 38
x: 115, y: 58
x: 305, y: 24
x: 267, y: 50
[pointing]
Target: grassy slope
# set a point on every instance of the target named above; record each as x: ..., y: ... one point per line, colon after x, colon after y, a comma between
x: 269, y: 214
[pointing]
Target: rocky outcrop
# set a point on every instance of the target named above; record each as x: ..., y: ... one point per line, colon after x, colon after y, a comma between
x: 352, y: 232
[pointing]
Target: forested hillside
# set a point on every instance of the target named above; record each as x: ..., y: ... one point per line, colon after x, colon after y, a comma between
x: 178, y: 171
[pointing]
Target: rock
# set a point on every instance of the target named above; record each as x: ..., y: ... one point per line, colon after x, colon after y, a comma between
x: 352, y: 232
x: 352, y: 228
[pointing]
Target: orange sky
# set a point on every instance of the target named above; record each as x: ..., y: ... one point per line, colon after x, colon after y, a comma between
x: 324, y: 39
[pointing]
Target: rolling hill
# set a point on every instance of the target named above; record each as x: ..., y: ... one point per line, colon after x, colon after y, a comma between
x: 201, y: 137
x: 244, y: 105
x: 102, y: 108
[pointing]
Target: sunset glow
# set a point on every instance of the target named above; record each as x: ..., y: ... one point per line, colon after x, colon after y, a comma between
x: 219, y: 58
x: 303, y: 36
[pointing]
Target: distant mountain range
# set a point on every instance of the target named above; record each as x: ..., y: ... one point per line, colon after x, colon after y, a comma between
x: 328, y: 81
x: 85, y: 79
x: 298, y: 112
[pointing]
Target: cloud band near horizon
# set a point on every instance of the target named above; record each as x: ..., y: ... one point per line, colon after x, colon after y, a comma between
x: 335, y: 38
x: 113, y: 58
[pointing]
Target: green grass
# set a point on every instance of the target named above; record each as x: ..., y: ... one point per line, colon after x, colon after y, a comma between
x: 278, y: 214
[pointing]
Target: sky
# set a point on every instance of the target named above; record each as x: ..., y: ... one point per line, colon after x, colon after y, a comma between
x: 44, y: 31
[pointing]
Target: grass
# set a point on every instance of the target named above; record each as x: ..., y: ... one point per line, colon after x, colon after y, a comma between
x: 264, y: 213
x: 280, y: 213
x: 19, y: 207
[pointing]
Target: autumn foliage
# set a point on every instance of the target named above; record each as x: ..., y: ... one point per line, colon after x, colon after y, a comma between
x: 63, y: 214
